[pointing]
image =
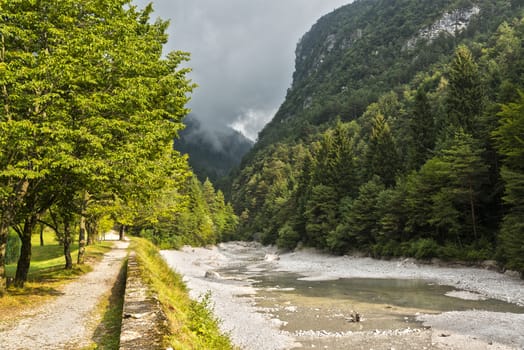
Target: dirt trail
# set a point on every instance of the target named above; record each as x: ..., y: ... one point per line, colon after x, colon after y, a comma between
x: 70, y: 320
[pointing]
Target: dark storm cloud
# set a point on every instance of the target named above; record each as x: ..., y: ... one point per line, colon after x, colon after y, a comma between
x: 242, y: 53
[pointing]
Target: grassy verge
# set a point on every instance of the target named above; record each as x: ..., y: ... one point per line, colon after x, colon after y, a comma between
x: 107, y: 334
x: 46, y: 274
x: 192, y: 324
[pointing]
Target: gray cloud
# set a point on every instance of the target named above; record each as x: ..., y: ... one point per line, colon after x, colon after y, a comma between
x: 242, y: 53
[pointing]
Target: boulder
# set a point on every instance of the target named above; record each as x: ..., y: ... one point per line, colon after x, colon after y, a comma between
x: 271, y: 257
x: 212, y: 275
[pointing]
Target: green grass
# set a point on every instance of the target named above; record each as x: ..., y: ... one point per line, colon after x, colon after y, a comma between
x: 46, y: 274
x: 192, y: 324
x: 47, y: 262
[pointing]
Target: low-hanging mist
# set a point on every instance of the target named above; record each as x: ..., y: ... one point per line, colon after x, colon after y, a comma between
x: 242, y: 54
x: 212, y: 154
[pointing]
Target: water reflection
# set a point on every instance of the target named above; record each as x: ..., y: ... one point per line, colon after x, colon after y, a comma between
x: 318, y: 313
x: 418, y: 294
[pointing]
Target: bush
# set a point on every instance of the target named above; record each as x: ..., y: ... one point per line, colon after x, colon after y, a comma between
x: 163, y: 241
x: 424, y: 248
x: 287, y: 237
x: 480, y: 250
x: 388, y: 250
x: 451, y: 251
x: 204, y: 324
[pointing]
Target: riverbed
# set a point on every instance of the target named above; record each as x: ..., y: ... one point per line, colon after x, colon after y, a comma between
x: 306, y: 299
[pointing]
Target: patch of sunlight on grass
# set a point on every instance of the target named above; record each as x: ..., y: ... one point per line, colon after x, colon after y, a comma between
x: 47, y: 274
x: 49, y: 259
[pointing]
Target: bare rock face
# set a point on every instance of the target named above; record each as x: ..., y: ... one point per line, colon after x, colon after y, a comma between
x: 450, y: 23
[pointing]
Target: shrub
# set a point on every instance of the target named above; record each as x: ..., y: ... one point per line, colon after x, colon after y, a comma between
x: 424, y: 248
x: 287, y: 237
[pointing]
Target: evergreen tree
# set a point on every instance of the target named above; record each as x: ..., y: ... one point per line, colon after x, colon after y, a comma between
x: 320, y: 214
x: 208, y: 191
x: 336, y: 159
x: 509, y: 138
x: 295, y: 230
x: 392, y: 212
x: 361, y: 222
x: 443, y: 198
x: 422, y: 131
x: 465, y: 93
x: 467, y: 174
x: 381, y: 155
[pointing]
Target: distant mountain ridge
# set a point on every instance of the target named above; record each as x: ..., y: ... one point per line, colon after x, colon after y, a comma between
x: 212, y: 153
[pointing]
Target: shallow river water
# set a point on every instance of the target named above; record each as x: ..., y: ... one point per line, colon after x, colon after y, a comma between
x: 327, y: 308
x: 321, y: 314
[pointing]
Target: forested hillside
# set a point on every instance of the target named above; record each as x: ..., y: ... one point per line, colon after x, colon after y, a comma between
x: 212, y: 153
x: 401, y: 135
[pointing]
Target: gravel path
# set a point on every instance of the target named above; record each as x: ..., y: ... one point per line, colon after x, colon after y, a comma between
x: 235, y: 301
x: 68, y: 321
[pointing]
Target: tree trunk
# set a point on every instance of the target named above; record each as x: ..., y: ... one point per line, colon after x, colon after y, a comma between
x: 4, y: 230
x: 121, y: 232
x: 82, y: 235
x: 6, y: 216
x: 41, y: 235
x: 67, y: 246
x: 24, y: 261
x: 92, y: 230
x: 473, y: 216
x: 82, y: 240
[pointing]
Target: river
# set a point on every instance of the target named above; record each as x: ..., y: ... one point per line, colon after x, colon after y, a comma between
x: 306, y: 299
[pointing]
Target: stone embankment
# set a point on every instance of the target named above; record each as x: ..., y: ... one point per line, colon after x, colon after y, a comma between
x: 143, y: 322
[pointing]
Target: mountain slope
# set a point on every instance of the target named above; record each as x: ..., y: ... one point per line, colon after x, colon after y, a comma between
x: 353, y: 55
x: 212, y: 154
x: 385, y: 141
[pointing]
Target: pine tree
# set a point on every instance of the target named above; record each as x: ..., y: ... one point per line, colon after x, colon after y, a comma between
x: 381, y: 155
x: 465, y: 92
x: 320, y: 213
x: 444, y: 196
x: 467, y: 174
x: 422, y: 131
x: 336, y: 159
x: 509, y: 138
x: 361, y: 225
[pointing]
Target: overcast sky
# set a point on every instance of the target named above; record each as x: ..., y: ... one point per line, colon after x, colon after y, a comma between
x: 242, y: 53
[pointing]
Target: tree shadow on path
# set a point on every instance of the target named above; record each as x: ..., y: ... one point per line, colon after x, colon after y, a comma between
x: 107, y: 333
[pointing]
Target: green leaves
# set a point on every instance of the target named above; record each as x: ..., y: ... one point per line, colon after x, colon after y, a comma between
x: 89, y: 103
